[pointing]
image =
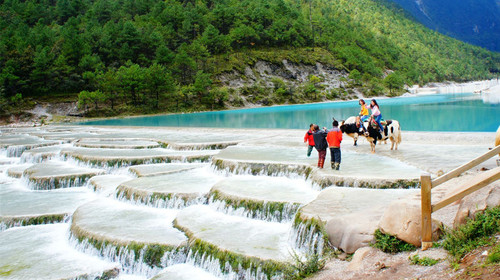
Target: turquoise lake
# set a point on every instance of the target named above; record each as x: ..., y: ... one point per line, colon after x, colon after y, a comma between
x: 441, y: 112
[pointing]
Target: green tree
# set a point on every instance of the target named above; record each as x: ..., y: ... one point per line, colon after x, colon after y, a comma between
x: 159, y: 82
x: 131, y: 82
x: 202, y: 83
x: 90, y: 97
x: 215, y: 42
x: 393, y: 82
x: 184, y: 67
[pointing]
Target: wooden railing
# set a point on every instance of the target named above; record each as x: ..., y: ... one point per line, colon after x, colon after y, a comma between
x: 476, y: 183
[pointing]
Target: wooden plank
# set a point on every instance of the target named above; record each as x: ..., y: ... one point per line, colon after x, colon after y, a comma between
x: 425, y: 191
x: 461, y: 169
x: 468, y: 187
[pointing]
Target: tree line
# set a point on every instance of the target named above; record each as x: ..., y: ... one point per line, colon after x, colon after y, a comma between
x: 153, y: 56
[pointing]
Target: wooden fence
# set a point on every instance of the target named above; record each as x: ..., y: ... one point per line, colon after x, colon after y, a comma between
x: 468, y: 187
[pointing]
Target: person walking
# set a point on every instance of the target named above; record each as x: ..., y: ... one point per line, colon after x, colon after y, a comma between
x: 309, y: 139
x: 320, y: 144
x: 334, y: 138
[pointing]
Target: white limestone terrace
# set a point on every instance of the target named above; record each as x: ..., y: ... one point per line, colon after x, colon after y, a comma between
x: 281, y: 153
x: 116, y: 143
x: 119, y: 157
x: 106, y: 184
x: 58, y: 174
x: 43, y: 252
x: 37, y: 155
x: 17, y: 171
x: 112, y: 222
x: 144, y: 170
x: 265, y: 189
x: 238, y: 235
x: 170, y: 190
x: 21, y: 206
x: 261, y: 197
x: 16, y: 144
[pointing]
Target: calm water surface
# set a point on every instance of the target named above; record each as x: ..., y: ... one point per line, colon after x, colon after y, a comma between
x: 444, y: 112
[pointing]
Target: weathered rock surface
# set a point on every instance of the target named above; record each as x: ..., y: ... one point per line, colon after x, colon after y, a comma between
x: 403, y: 218
x: 336, y: 201
x: 477, y: 202
x: 353, y: 231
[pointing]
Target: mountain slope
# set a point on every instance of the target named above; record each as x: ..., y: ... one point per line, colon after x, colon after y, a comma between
x: 474, y: 21
x: 156, y: 55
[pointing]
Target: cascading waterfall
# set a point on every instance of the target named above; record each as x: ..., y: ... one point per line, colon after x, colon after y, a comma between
x: 259, y: 207
x: 132, y: 262
x: 267, y: 213
x: 225, y: 271
x: 307, y: 238
x: 167, y: 202
x: 15, y: 151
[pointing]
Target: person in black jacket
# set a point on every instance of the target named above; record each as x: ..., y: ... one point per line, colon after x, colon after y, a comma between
x: 320, y: 144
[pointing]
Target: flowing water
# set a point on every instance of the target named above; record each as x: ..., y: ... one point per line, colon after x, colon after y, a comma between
x: 215, y: 204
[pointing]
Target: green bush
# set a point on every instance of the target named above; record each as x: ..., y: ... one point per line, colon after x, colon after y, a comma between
x: 390, y: 244
x: 425, y: 261
x: 303, y: 268
x: 473, y: 234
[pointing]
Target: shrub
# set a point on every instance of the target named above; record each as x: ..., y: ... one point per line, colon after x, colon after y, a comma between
x: 494, y: 255
x: 390, y: 244
x: 425, y: 261
x: 303, y: 268
x: 475, y: 233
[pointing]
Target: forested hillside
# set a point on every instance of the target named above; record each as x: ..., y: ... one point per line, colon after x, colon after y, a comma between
x: 141, y: 56
x: 473, y: 21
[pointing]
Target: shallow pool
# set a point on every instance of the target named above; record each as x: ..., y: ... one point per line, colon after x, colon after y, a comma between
x: 441, y: 112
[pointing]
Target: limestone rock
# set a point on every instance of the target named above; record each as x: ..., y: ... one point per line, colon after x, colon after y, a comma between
x: 353, y: 231
x: 403, y: 219
x: 360, y: 257
x: 478, y: 201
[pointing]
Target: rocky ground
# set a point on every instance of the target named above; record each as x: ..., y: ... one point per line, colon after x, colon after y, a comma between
x: 370, y: 263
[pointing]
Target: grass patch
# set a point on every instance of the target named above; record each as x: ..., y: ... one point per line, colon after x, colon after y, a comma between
x: 494, y: 255
x: 425, y: 261
x: 390, y: 244
x: 304, y: 267
x: 475, y: 233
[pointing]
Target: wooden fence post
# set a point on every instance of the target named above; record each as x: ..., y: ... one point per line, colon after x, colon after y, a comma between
x: 425, y: 190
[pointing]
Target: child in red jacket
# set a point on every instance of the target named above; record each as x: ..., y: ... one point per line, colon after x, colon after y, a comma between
x: 309, y: 139
x: 334, y: 137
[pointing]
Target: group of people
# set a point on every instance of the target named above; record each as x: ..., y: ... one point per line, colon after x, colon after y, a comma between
x: 323, y: 139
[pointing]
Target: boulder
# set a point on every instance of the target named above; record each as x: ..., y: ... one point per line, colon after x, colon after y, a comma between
x: 353, y: 231
x: 403, y: 219
x: 361, y: 258
x: 478, y: 201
